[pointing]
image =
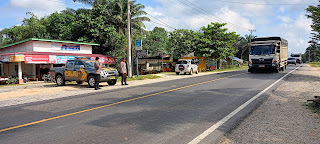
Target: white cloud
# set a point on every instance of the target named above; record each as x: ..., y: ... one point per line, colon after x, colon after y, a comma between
x: 284, y: 19
x: 235, y: 21
x: 39, y: 7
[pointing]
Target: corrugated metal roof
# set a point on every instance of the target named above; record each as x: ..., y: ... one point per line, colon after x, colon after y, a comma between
x: 47, y: 40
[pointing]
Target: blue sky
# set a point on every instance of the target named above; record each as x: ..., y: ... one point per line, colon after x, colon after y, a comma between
x: 285, y: 18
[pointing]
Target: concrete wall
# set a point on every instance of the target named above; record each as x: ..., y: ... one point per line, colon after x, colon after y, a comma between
x: 40, y: 46
x: 23, y: 47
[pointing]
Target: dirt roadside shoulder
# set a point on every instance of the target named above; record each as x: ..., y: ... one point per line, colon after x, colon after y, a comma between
x: 282, y: 118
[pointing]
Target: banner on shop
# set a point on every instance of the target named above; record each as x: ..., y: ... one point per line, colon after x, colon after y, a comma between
x: 65, y: 47
x: 63, y: 59
x: 36, y: 59
x: 5, y: 58
x: 105, y: 60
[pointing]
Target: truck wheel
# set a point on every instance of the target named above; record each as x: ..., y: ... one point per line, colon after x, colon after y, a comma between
x: 79, y: 82
x: 191, y: 71
x: 112, y: 82
x: 177, y: 73
x: 91, y: 81
x: 59, y: 80
x: 276, y: 70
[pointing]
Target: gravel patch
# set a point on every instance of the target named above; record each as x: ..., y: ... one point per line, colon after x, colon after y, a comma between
x: 282, y: 118
x: 15, y: 95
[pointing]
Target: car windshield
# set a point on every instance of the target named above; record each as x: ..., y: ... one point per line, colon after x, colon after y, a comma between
x: 291, y: 58
x: 182, y: 62
x: 295, y: 55
x: 89, y: 63
x: 262, y: 50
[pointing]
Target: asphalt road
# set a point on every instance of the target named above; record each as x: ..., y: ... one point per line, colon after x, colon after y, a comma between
x: 166, y: 112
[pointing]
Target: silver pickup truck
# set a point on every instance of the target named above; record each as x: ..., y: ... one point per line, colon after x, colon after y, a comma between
x: 82, y: 71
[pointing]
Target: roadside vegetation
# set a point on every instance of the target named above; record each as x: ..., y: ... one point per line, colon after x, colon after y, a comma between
x: 314, y: 64
x: 106, y: 23
x: 313, y: 50
x: 314, y: 107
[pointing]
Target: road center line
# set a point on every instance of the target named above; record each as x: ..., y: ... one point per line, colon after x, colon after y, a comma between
x: 226, y: 118
x: 112, y: 104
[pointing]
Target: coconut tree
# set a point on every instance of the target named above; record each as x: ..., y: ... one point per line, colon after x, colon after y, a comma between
x: 117, y: 13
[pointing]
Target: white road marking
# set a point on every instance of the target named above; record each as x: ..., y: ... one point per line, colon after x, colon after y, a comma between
x: 225, y: 119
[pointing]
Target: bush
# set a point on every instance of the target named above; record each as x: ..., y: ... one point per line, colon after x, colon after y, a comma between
x: 11, y: 80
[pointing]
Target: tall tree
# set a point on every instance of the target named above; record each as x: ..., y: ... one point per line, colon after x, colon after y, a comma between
x: 314, y: 14
x: 156, y: 42
x: 117, y: 14
x: 215, y: 41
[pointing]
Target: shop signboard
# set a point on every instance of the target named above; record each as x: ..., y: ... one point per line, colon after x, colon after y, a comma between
x: 36, y: 59
x: 5, y: 58
x: 65, y: 47
x: 110, y: 60
x: 53, y: 59
x: 63, y: 59
x: 16, y: 58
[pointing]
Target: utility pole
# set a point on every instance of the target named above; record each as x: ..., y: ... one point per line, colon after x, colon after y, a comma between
x: 129, y: 42
x: 251, y: 30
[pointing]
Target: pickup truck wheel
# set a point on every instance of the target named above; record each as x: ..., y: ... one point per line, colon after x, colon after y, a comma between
x: 79, y: 82
x: 112, y: 82
x: 177, y: 73
x: 191, y: 71
x: 59, y: 80
x: 91, y: 81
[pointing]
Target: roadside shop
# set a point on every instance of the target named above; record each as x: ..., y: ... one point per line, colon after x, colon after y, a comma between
x: 31, y: 58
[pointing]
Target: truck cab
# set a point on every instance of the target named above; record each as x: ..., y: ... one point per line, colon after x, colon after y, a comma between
x: 268, y: 54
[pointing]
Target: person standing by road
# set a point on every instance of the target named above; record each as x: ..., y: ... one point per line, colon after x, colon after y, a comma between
x: 96, y: 74
x: 123, y: 70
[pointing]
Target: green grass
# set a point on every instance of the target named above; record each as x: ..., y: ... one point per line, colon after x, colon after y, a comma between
x: 314, y: 64
x: 313, y: 107
x: 141, y: 77
x: 229, y: 69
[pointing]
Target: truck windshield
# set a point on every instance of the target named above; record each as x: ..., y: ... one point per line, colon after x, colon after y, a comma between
x: 293, y: 55
x: 182, y: 62
x: 262, y: 50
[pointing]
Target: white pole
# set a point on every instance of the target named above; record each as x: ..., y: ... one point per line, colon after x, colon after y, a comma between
x: 129, y: 43
x: 20, y: 72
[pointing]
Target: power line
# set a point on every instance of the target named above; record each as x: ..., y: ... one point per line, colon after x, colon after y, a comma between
x: 238, y: 27
x: 161, y: 21
x: 216, y: 16
x: 264, y: 4
x: 161, y: 24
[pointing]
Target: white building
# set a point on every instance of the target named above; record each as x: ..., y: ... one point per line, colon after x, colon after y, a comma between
x: 34, y: 57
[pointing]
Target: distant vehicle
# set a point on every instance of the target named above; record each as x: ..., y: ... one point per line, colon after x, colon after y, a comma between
x: 298, y: 57
x: 292, y: 60
x: 82, y: 70
x: 186, y: 66
x: 268, y: 53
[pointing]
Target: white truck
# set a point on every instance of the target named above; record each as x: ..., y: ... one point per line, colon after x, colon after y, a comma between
x: 298, y: 57
x: 186, y: 66
x: 268, y: 54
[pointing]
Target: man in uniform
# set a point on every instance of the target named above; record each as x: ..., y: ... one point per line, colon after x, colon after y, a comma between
x: 123, y: 70
x: 96, y: 74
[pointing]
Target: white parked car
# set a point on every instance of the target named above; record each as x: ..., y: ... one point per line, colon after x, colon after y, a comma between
x: 186, y: 66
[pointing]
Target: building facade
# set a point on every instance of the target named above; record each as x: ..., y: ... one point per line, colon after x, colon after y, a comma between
x: 34, y: 57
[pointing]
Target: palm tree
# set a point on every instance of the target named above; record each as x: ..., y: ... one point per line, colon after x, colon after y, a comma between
x: 314, y: 51
x: 243, y: 45
x: 117, y: 12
